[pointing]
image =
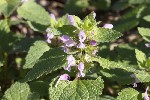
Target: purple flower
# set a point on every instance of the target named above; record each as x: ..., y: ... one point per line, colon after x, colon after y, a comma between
x: 49, y: 36
x: 70, y: 43
x: 71, y: 20
x: 109, y: 26
x: 65, y: 49
x: 52, y: 16
x: 93, y: 43
x: 65, y: 38
x: 62, y: 77
x: 71, y: 62
x: 82, y: 36
x: 81, y: 74
x: 146, y: 94
x: 81, y: 45
x: 147, y: 45
x: 81, y: 68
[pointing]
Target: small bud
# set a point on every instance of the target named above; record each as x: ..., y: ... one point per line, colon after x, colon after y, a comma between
x: 93, y: 43
x: 147, y: 45
x: 71, y: 20
x: 82, y: 36
x: 109, y: 26
x: 52, y: 16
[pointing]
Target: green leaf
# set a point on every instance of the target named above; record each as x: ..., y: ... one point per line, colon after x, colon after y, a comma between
x: 33, y: 12
x: 40, y: 87
x: 128, y: 20
x: 141, y: 58
x: 145, y: 33
x: 101, y: 4
x: 7, y: 7
x: 35, y: 52
x: 147, y: 18
x: 129, y: 94
x: 120, y: 5
x: 50, y: 61
x: 106, y: 35
x: 139, y: 1
x: 75, y: 6
x: 34, y: 96
x: 77, y: 90
x: 106, y: 64
x: 143, y: 76
x: 18, y: 91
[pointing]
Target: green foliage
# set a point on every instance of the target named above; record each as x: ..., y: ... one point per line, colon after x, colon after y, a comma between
x: 7, y: 7
x: 147, y: 18
x: 18, y: 91
x: 35, y: 52
x: 50, y: 61
x: 77, y: 90
x: 129, y: 94
x: 106, y: 35
x: 145, y: 33
x: 75, y: 6
x: 143, y: 76
x: 34, y: 12
x: 141, y: 58
x: 101, y: 4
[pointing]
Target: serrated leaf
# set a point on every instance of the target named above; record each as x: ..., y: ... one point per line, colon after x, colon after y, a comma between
x: 18, y: 91
x: 106, y: 64
x: 129, y: 94
x: 35, y: 52
x: 106, y: 35
x: 145, y: 33
x: 141, y: 58
x: 34, y: 12
x: 147, y: 18
x: 77, y: 90
x: 143, y: 76
x: 50, y: 61
x: 8, y: 6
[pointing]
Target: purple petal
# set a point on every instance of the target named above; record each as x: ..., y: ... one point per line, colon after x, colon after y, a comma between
x: 71, y: 60
x: 81, y: 66
x: 93, y: 43
x: 70, y: 43
x: 82, y: 36
x: 146, y: 94
x: 147, y: 45
x: 81, y: 45
x: 81, y: 74
x: 52, y: 16
x: 65, y: 38
x: 64, y: 77
x: 65, y: 49
x: 71, y: 19
x: 49, y: 35
x: 68, y: 68
x: 48, y: 41
x: 109, y: 26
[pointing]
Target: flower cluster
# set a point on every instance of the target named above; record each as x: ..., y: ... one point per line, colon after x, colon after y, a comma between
x: 80, y: 43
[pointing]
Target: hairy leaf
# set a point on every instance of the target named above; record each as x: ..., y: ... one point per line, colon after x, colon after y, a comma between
x: 77, y: 90
x: 35, y: 52
x: 129, y: 94
x: 18, y: 91
x: 50, y: 61
x: 106, y: 35
x: 145, y: 33
x: 34, y: 12
x: 143, y: 76
x: 141, y: 58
